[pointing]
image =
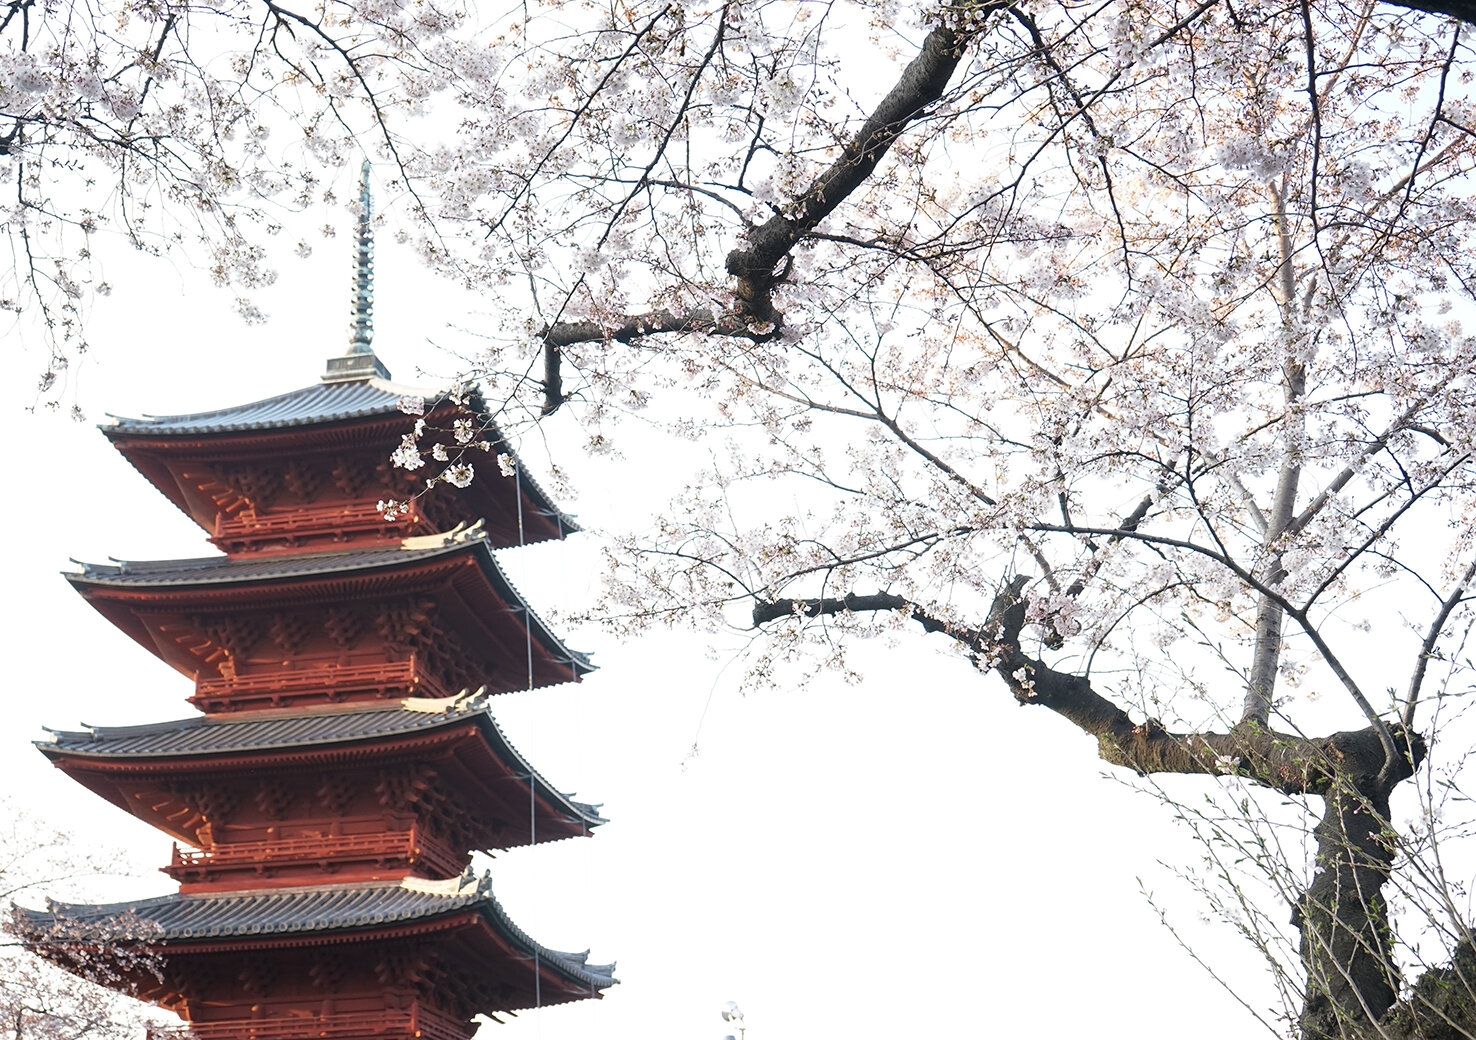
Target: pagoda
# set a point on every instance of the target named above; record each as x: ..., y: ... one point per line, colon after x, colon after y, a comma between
x: 343, y: 645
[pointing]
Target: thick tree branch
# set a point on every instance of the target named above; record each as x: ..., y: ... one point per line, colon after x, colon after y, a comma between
x: 765, y: 611
x: 922, y: 84
x: 563, y: 334
x: 1284, y: 761
x: 1342, y: 916
x: 1461, y: 10
x: 1393, y: 755
x: 765, y: 261
x: 1269, y: 614
x: 1372, y: 448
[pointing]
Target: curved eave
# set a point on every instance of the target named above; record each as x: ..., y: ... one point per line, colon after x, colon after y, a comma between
x: 579, y: 663
x: 285, y: 915
x: 213, y: 741
x: 114, y: 588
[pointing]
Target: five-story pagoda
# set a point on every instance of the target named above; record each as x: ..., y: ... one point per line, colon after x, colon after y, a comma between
x: 326, y: 803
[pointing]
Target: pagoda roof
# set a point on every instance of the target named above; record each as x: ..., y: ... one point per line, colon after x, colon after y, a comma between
x: 319, y: 403
x: 226, y: 571
x: 318, y: 910
x: 220, y: 570
x: 255, y: 732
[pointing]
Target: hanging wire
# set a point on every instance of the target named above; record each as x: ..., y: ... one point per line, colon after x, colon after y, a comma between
x: 518, y: 487
x: 533, y: 842
x: 532, y: 783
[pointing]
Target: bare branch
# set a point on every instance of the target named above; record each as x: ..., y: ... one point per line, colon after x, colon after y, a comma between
x: 1432, y: 637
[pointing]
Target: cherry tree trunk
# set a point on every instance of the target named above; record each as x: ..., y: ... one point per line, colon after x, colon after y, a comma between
x: 1343, y: 916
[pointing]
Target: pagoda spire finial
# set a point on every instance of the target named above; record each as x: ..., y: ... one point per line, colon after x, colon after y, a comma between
x: 363, y: 328
x: 360, y: 361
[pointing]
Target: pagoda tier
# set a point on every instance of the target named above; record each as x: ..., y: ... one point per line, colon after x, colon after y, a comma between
x: 423, y: 617
x: 309, y: 469
x: 354, y: 793
x: 408, y: 960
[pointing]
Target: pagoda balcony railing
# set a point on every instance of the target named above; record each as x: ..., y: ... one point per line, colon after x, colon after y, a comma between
x: 333, y: 680
x: 416, y: 1024
x: 344, y: 518
x: 408, y: 846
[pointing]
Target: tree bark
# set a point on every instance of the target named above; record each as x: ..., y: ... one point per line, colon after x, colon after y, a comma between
x: 1343, y: 917
x: 922, y: 83
x: 1464, y: 12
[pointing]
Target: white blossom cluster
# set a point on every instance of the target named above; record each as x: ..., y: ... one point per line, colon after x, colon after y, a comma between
x: 1140, y: 266
x: 1021, y: 327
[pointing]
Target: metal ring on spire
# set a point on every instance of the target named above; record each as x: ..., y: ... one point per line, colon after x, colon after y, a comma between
x: 363, y: 327
x: 360, y: 363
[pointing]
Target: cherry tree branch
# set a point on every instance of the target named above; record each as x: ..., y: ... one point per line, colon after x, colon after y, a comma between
x: 1386, y: 735
x: 1286, y: 762
x: 1349, y: 471
x: 1432, y: 636
x: 566, y: 333
x: 764, y: 261
x: 922, y: 84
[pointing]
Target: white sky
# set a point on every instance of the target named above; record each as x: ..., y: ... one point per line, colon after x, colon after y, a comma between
x: 911, y: 855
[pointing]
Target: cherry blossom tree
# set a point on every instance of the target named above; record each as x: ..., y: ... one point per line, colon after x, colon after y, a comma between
x: 194, y: 127
x: 1107, y: 341
x: 197, y: 129
x: 1096, y: 342
x: 39, y: 1001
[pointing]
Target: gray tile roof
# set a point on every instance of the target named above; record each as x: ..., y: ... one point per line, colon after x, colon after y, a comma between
x: 221, y: 570
x: 211, y: 570
x: 238, y: 733
x: 319, y: 403
x: 296, y: 911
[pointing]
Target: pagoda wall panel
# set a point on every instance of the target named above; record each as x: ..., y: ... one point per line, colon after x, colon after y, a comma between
x: 392, y: 989
x: 432, y: 630
x: 354, y: 983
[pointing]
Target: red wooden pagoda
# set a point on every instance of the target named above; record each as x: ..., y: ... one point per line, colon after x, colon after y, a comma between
x: 326, y: 803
